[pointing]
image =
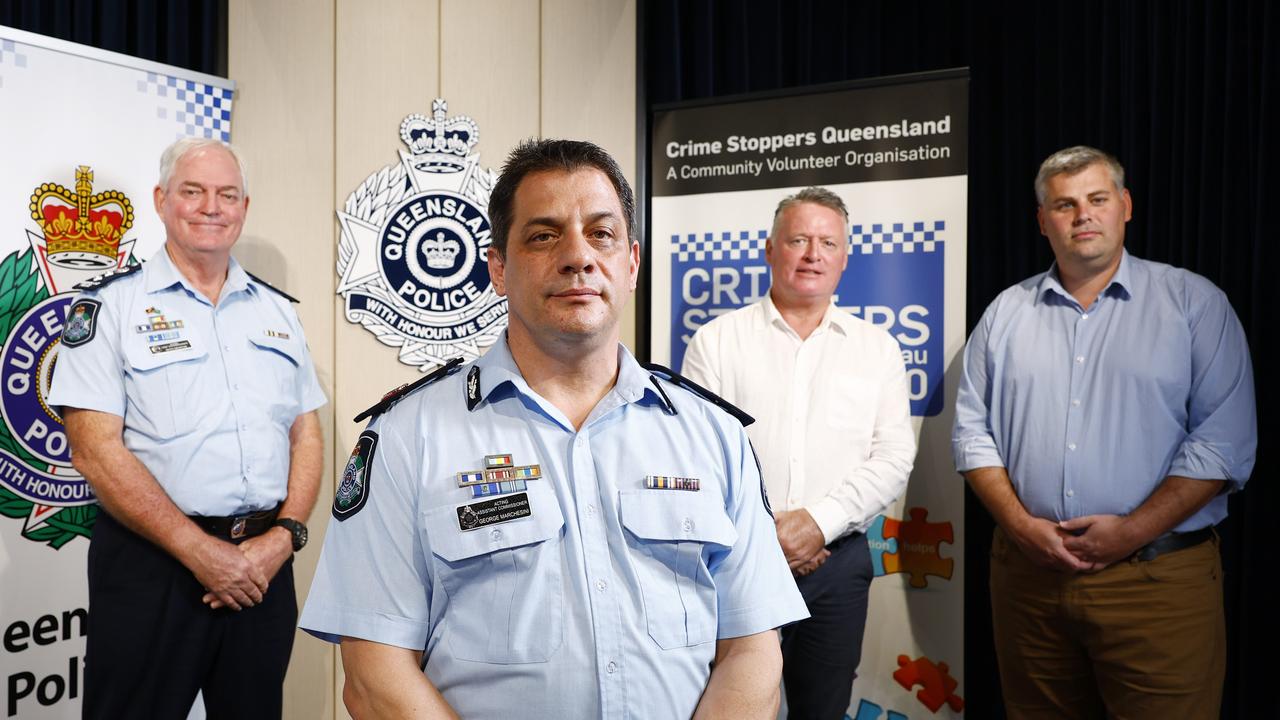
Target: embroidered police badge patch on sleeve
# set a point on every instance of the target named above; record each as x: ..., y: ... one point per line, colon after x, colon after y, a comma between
x: 80, y: 325
x: 353, y: 490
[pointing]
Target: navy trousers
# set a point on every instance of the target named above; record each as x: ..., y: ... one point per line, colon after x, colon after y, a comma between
x: 152, y: 644
x: 820, y: 655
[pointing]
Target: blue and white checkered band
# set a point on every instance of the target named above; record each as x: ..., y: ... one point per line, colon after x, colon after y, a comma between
x: 897, y: 237
x: 742, y: 245
x: 430, y: 252
x: 28, y: 362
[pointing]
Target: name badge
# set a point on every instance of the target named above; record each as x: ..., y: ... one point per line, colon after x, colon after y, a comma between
x: 491, y: 512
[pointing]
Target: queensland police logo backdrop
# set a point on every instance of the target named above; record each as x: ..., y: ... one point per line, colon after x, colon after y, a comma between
x: 411, y: 259
x: 78, y: 234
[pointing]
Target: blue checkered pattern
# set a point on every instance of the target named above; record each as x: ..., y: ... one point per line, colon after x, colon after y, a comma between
x: 10, y: 55
x: 889, y: 238
x: 747, y: 244
x: 199, y: 110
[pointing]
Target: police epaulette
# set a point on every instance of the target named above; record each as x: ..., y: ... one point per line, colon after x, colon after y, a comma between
x: 100, y: 281
x: 693, y: 387
x: 404, y: 390
x: 272, y: 288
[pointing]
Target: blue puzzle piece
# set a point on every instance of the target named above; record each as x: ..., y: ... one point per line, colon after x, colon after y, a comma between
x: 868, y: 710
x: 879, y: 546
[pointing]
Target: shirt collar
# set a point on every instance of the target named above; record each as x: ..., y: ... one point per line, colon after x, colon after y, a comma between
x: 162, y: 274
x: 830, y: 318
x: 1120, y: 285
x: 497, y: 374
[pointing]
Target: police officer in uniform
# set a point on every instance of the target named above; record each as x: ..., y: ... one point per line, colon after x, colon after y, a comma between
x: 555, y: 530
x: 189, y: 400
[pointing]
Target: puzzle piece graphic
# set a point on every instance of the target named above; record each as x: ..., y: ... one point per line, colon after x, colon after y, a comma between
x: 936, y: 684
x: 918, y: 544
x: 881, y: 544
x: 868, y: 710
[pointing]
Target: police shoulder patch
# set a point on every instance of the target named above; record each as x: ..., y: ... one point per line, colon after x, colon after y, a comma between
x: 676, y: 378
x: 272, y: 288
x: 100, y: 281
x: 407, y: 389
x: 353, y: 489
x: 81, y: 325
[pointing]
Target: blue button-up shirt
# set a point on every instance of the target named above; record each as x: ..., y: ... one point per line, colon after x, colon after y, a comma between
x: 208, y: 393
x: 606, y: 601
x: 1089, y: 409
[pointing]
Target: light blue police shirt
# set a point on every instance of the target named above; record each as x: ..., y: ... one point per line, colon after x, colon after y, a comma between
x: 1089, y: 409
x: 608, y: 599
x: 207, y: 406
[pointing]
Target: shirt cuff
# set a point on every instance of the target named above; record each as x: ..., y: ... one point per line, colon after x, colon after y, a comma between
x: 1206, y: 461
x: 831, y: 518
x: 975, y: 453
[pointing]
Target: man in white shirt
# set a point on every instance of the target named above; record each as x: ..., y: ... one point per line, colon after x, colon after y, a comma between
x: 833, y: 430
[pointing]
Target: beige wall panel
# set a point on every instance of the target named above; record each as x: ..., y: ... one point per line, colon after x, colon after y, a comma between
x: 489, y: 58
x: 281, y: 57
x: 387, y: 67
x: 589, y: 84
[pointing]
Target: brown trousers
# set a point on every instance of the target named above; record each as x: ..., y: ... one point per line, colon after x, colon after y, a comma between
x: 1136, y: 640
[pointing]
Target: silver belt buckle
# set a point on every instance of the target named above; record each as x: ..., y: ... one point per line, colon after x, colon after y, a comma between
x: 237, y: 527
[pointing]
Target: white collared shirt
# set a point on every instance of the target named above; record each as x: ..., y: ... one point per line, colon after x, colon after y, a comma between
x: 833, y: 421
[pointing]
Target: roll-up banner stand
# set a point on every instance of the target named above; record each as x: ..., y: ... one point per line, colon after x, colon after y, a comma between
x: 896, y: 150
x: 81, y: 132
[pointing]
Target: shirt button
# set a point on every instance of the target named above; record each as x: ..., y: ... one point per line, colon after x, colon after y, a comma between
x: 591, y: 510
x: 601, y: 585
x: 1084, y: 316
x: 611, y: 668
x: 1071, y: 493
x: 687, y: 525
x: 1076, y: 402
x: 1071, y: 446
x: 1079, y: 359
x: 496, y: 535
x: 579, y: 442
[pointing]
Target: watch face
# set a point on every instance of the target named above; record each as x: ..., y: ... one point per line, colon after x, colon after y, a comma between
x: 299, y: 536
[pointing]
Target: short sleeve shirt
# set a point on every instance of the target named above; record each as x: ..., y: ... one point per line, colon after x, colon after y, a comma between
x: 208, y: 393
x: 585, y: 594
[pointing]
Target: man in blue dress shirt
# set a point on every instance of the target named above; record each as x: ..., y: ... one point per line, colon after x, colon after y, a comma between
x: 189, y: 398
x: 555, y: 531
x: 1106, y: 409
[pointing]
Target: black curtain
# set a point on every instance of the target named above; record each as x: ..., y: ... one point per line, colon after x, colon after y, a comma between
x: 190, y: 34
x: 1186, y: 93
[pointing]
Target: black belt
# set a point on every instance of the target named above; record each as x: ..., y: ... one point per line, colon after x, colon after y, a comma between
x: 1171, y: 543
x: 237, y: 527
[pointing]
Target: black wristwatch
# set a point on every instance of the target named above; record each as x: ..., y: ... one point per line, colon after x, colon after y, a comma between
x: 296, y: 529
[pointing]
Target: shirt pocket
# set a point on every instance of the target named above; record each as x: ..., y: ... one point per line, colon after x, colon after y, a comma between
x: 276, y: 363
x: 504, y: 583
x: 674, y: 532
x: 167, y: 391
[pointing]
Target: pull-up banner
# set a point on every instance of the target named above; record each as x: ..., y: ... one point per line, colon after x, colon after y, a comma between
x: 896, y: 151
x: 81, y: 132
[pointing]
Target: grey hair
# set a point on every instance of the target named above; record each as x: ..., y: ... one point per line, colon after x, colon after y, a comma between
x: 817, y: 196
x: 1071, y: 161
x: 182, y: 146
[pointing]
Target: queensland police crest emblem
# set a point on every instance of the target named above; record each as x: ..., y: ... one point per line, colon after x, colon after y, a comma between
x: 80, y: 235
x: 412, y: 255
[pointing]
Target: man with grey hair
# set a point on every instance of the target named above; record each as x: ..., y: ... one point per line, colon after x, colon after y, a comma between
x: 833, y: 431
x: 189, y: 399
x: 1106, y: 409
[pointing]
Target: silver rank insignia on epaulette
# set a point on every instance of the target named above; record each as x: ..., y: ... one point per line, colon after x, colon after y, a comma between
x: 498, y: 477
x: 667, y: 482
x: 399, y: 393
x: 106, y: 278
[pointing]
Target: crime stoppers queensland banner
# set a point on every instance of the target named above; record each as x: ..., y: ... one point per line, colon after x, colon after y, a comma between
x: 81, y: 132
x: 895, y: 149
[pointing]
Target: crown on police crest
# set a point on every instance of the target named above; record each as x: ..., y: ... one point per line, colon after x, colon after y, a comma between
x: 440, y: 251
x: 81, y: 228
x: 439, y: 143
